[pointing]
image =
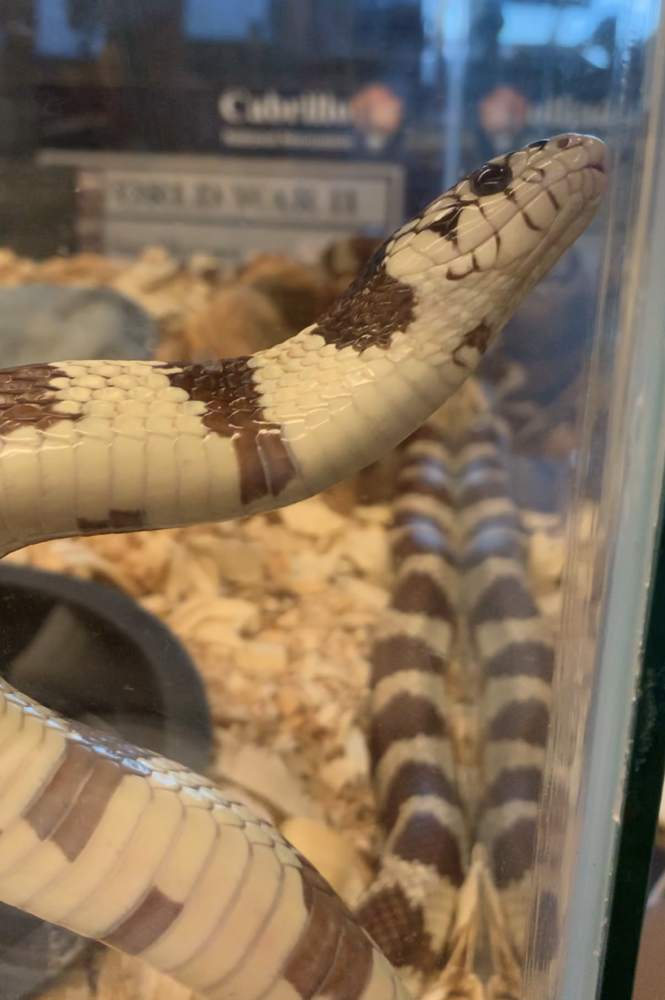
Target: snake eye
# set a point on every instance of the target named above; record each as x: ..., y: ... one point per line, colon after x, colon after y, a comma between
x: 491, y: 179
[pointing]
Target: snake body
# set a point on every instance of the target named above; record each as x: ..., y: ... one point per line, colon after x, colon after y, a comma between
x: 409, y: 907
x: 514, y: 652
x: 134, y: 850
x: 461, y: 595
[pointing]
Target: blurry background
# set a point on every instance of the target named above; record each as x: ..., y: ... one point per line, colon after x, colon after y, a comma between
x: 430, y: 86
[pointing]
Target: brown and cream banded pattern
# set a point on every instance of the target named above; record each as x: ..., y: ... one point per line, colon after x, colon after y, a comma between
x: 121, y: 846
x: 514, y: 650
x: 149, y: 858
x: 409, y: 908
x: 461, y: 596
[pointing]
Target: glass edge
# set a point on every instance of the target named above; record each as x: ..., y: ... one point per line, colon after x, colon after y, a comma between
x: 629, y: 512
x: 644, y: 783
x: 625, y: 698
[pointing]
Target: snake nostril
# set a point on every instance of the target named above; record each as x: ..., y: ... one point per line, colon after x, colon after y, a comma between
x: 491, y: 179
x: 564, y: 141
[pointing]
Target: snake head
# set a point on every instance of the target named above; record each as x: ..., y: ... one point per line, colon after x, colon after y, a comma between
x: 501, y: 228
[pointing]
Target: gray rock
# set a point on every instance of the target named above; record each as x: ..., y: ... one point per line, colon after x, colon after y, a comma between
x: 56, y: 323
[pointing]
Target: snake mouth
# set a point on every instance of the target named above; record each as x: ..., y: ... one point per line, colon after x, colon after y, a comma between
x: 596, y: 152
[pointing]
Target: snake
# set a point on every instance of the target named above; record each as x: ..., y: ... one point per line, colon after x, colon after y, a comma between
x: 409, y: 907
x: 110, y: 840
x: 514, y: 652
x: 461, y: 593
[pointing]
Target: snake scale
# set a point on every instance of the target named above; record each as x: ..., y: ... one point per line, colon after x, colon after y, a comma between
x: 461, y: 596
x: 136, y: 851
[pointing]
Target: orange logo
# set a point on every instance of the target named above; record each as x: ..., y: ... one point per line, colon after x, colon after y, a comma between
x: 377, y: 114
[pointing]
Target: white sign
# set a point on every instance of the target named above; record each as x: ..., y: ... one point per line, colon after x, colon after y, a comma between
x: 232, y: 206
x: 202, y: 197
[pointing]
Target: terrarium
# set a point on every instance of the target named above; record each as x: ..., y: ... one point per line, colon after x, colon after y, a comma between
x: 436, y: 670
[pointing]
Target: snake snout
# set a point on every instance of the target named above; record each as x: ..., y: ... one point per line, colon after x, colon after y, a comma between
x: 596, y: 151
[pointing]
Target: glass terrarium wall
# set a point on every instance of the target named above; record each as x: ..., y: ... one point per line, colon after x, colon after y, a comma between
x: 539, y: 69
x: 599, y: 72
x: 615, y: 655
x: 198, y: 179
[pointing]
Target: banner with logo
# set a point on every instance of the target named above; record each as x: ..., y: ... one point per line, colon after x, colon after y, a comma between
x: 315, y: 121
